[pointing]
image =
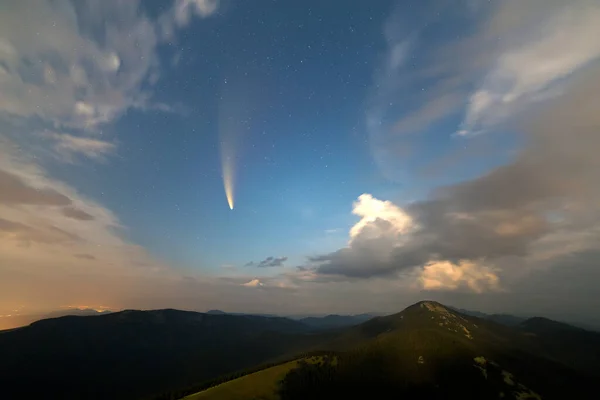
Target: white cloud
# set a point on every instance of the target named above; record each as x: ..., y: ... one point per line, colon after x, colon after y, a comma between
x: 445, y: 275
x: 185, y: 8
x: 94, y: 61
x: 387, y: 242
x: 91, y: 61
x: 253, y: 283
x: 370, y: 210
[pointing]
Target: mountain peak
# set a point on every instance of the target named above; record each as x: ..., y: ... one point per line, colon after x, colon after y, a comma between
x: 429, y: 305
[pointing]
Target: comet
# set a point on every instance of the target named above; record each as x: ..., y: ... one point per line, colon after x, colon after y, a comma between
x: 237, y: 104
x: 228, y: 179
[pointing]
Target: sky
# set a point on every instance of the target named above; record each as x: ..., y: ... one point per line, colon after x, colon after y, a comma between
x: 300, y: 157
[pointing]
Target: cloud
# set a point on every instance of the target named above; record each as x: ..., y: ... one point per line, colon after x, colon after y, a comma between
x: 445, y: 275
x: 83, y: 66
x: 556, y: 43
x: 77, y: 214
x: 268, y: 262
x: 542, y: 205
x: 505, y: 58
x: 24, y: 235
x: 41, y: 230
x: 67, y: 146
x: 429, y: 113
x: 181, y: 14
x: 93, y: 62
x: 253, y: 283
x: 185, y: 8
x: 13, y: 190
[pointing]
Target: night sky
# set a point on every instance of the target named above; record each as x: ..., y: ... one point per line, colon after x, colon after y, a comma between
x: 377, y: 153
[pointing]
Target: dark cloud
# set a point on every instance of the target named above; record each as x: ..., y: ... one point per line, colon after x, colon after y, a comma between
x: 550, y: 187
x: 84, y: 256
x: 76, y: 213
x: 268, y: 262
x: 14, y: 191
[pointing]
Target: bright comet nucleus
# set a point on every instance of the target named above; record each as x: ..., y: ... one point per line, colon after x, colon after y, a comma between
x: 228, y: 180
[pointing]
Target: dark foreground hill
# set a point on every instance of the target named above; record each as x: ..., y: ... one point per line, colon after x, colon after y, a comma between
x: 137, y: 354
x: 426, y: 351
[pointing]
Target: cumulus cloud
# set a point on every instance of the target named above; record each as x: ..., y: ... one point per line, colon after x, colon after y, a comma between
x: 542, y: 205
x: 268, y: 262
x: 253, y: 283
x: 444, y: 275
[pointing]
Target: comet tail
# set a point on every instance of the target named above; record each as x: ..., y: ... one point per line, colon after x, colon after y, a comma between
x: 228, y: 179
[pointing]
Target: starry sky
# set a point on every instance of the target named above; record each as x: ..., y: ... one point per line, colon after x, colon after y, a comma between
x: 375, y: 154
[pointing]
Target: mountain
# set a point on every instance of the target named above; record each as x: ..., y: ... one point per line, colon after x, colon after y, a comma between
x: 137, y: 354
x: 427, y: 351
x: 504, y: 319
x: 219, y: 312
x: 512, y: 320
x: 216, y: 312
x: 573, y: 346
x: 333, y: 321
x: 16, y: 321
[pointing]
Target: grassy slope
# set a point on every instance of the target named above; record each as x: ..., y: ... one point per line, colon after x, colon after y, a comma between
x: 262, y: 385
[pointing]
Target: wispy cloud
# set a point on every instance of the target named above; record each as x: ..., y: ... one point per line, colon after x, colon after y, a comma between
x: 68, y: 147
x: 505, y: 57
x: 94, y: 62
x: 543, y: 48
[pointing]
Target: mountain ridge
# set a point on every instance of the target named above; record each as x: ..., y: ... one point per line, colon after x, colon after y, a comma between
x: 135, y: 354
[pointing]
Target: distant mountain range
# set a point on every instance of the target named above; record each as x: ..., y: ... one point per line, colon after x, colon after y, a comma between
x: 331, y: 321
x: 512, y: 320
x: 15, y: 321
x: 426, y: 351
x: 334, y: 321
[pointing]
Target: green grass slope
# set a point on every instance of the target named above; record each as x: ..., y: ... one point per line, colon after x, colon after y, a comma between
x: 259, y: 385
x: 262, y: 385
